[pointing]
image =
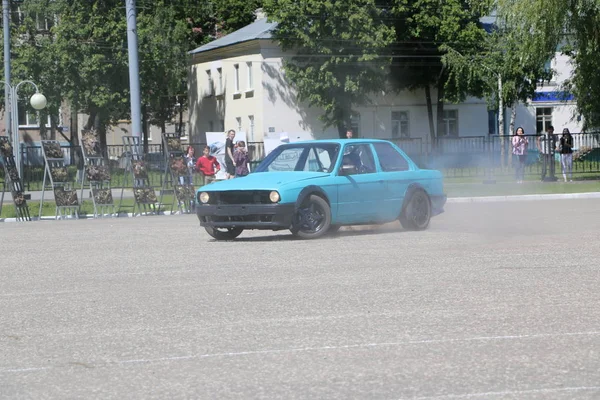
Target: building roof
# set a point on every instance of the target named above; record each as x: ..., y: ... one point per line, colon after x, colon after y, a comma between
x: 262, y: 29
x: 259, y: 29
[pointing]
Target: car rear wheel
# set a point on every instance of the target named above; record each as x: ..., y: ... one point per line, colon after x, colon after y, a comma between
x: 312, y: 219
x: 224, y: 233
x: 416, y: 214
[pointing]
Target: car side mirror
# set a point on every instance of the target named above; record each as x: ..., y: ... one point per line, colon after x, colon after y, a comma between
x: 348, y: 169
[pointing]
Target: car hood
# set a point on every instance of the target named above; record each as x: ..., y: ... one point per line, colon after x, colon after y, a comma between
x: 263, y: 181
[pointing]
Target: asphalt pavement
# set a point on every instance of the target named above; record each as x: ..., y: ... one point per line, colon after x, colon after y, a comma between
x: 494, y: 301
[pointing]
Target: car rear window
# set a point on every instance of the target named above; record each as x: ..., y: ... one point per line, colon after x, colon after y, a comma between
x: 390, y: 159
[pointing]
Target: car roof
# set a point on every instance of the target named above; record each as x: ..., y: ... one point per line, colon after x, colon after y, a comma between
x: 341, y: 141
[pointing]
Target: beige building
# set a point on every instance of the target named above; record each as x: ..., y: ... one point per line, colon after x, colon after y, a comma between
x: 237, y: 82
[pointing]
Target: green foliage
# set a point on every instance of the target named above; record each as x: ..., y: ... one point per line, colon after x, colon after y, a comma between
x: 572, y: 26
x: 83, y: 58
x: 337, y: 52
x: 344, y: 52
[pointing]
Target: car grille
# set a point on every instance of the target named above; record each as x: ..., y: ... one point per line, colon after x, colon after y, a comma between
x: 242, y: 197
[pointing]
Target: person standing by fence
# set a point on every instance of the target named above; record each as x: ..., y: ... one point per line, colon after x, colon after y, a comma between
x: 208, y: 166
x: 565, y: 148
x: 190, y: 162
x: 241, y: 159
x: 520, y: 145
x: 229, y: 149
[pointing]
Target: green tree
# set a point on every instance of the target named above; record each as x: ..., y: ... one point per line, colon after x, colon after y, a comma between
x: 344, y: 52
x: 338, y: 52
x: 552, y: 25
x: 83, y: 58
x: 425, y: 29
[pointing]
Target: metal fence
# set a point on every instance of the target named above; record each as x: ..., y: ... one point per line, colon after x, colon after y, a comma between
x: 456, y: 157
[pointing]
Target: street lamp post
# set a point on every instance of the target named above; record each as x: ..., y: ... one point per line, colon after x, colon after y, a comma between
x: 37, y: 101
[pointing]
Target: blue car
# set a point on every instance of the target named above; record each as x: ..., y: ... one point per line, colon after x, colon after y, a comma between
x: 317, y: 186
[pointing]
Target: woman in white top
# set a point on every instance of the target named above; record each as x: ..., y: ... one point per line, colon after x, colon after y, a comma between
x: 519, y: 149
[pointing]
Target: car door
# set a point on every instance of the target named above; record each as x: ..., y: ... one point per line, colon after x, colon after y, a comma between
x: 397, y: 174
x: 359, y: 191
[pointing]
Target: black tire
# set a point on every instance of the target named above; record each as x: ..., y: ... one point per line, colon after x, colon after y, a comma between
x: 224, y: 233
x: 416, y: 213
x: 312, y: 219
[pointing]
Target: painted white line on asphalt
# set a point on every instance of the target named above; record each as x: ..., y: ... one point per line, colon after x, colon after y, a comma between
x: 24, y: 370
x: 42, y: 293
x: 507, y: 392
x: 320, y: 348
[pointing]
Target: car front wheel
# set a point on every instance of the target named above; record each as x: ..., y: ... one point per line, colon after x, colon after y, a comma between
x: 312, y: 219
x: 224, y: 233
x: 416, y: 214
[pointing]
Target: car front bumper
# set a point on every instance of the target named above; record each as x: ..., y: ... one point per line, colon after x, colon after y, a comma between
x: 437, y: 204
x: 247, y: 216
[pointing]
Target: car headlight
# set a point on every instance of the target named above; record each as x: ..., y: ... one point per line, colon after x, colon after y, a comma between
x: 204, y: 197
x: 274, y: 197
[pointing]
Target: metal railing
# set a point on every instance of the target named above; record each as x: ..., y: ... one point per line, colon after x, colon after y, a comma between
x: 456, y: 157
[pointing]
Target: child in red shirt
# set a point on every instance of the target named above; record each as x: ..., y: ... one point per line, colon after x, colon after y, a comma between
x: 208, y: 165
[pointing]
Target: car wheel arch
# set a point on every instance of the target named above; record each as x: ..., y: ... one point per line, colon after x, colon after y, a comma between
x: 413, y: 187
x: 310, y: 190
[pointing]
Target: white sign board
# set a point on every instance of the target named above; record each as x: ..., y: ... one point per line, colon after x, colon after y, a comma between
x: 216, y: 142
x: 273, y: 141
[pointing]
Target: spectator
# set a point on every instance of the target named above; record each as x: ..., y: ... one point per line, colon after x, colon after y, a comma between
x: 546, y: 144
x: 189, y: 161
x: 565, y: 148
x: 349, y: 133
x: 229, y: 160
x: 519, y: 149
x: 208, y: 166
x: 241, y: 159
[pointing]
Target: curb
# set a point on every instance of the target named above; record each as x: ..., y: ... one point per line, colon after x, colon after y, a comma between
x: 527, y: 197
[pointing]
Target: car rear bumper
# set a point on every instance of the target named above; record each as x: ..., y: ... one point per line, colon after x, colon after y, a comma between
x: 247, y: 216
x: 437, y: 204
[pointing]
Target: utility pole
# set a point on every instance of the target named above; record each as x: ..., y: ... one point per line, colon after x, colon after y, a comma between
x: 134, y: 73
x: 7, y: 107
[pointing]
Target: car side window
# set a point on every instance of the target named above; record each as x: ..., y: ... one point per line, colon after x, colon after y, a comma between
x: 361, y: 157
x: 390, y: 159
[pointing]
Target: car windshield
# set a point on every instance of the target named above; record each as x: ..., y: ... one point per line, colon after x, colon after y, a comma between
x: 315, y: 157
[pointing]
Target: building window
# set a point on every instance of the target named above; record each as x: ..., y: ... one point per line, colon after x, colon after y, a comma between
x: 222, y: 125
x: 236, y: 78
x: 250, y: 137
x: 543, y: 118
x: 220, y: 81
x: 238, y: 122
x: 210, y: 83
x: 43, y: 23
x: 211, y: 126
x: 450, y: 123
x: 29, y: 118
x: 355, y: 124
x: 400, y: 127
x: 250, y: 83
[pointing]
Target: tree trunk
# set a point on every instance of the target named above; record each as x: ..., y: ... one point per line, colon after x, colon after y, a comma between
x: 513, y: 117
x: 440, y: 109
x: 430, y: 115
x: 341, y: 130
